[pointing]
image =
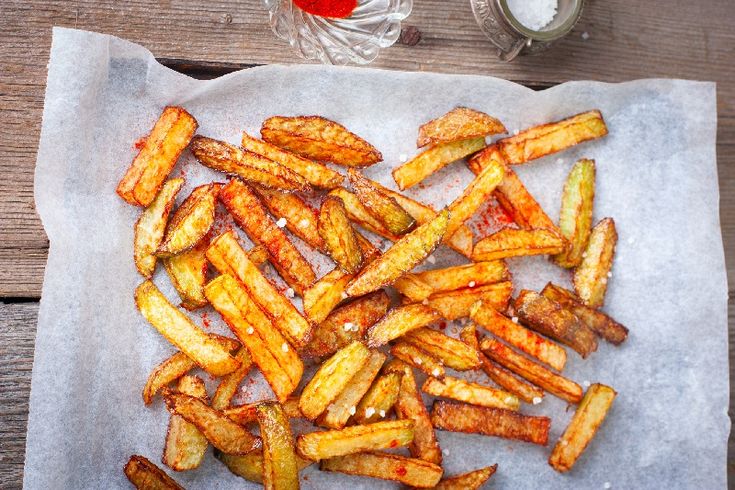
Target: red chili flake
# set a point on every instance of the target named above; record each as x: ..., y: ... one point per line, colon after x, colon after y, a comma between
x: 205, y: 320
x: 442, y: 325
x: 401, y: 471
x: 394, y: 443
x: 338, y: 9
x: 140, y: 143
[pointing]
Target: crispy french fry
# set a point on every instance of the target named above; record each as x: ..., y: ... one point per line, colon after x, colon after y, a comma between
x: 339, y: 411
x: 458, y: 124
x: 191, y: 221
x: 575, y: 216
x: 383, y: 207
x: 599, y: 322
x: 518, y: 336
x: 403, y: 256
x: 185, y: 445
x: 413, y: 288
x: 476, y: 193
x: 331, y: 379
x: 250, y: 466
x: 180, y: 331
x: 357, y: 438
x: 320, y: 139
x: 147, y: 476
x: 228, y: 257
x: 415, y: 473
x: 247, y: 414
x: 280, y: 464
x: 591, y: 276
x: 325, y: 294
x: 315, y: 173
x: 168, y: 138
x: 188, y: 273
x: 228, y: 385
x: 249, y: 166
x: 463, y: 276
x: 258, y: 255
x: 452, y: 352
x: 511, y: 242
x: 553, y: 383
x: 590, y: 414
x: 420, y: 359
x: 551, y: 319
x: 433, y: 159
x: 223, y: 433
x: 456, y: 304
x: 472, y: 480
x: 338, y: 235
x: 497, y: 422
x: 379, y: 399
x: 301, y: 219
x: 398, y: 321
x: 468, y: 392
x: 151, y: 226
x: 360, y: 215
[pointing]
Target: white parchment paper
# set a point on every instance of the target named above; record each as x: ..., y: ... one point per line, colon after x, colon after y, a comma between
x: 656, y: 176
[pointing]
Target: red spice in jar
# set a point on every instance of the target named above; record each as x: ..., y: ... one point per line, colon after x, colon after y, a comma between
x: 338, y: 9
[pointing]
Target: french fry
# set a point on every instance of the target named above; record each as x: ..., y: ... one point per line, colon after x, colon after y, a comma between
x: 413, y: 288
x: 551, y: 382
x: 551, y: 319
x: 410, y: 406
x: 320, y: 139
x: 497, y: 422
x: 151, y: 226
x: 258, y: 255
x: 590, y: 414
x: 434, y: 159
x: 575, y: 216
x: 415, y: 473
x: 511, y: 242
x: 338, y: 235
x: 398, y: 321
x: 518, y: 336
x: 147, y: 476
x: 360, y: 215
x: 301, y: 219
x: 249, y: 166
x: 228, y: 385
x: 456, y: 304
x: 228, y: 257
x: 325, y: 294
x: 247, y: 414
x: 452, y: 352
x: 597, y: 321
x: 280, y: 464
x: 472, y: 480
x: 178, y: 329
x: 315, y: 173
x: 223, y: 433
x: 357, y: 438
x: 188, y: 273
x: 420, y: 359
x: 339, y: 411
x: 476, y: 193
x: 463, y: 276
x: 268, y: 348
x: 383, y: 207
x: 591, y: 276
x: 185, y: 445
x: 251, y: 216
x: 168, y: 138
x: 250, y: 466
x: 472, y: 393
x: 191, y: 221
x: 331, y: 379
x: 458, y: 124
x: 379, y: 399
x: 403, y: 256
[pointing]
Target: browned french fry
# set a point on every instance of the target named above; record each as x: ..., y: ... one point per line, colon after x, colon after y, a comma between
x: 147, y: 476
x: 518, y: 336
x: 433, y: 159
x: 383, y: 207
x: 420, y: 359
x: 360, y: 215
x: 180, y: 331
x: 325, y: 294
x: 247, y: 414
x: 458, y: 124
x: 258, y: 255
x: 415, y: 473
x: 398, y: 321
x: 188, y: 273
x: 191, y: 221
x: 280, y: 464
x: 456, y: 304
x: 497, y: 422
x: 229, y: 384
x: 476, y: 193
x: 553, y: 383
x: 379, y: 399
x: 575, y: 216
x: 339, y: 237
x: 413, y: 288
x: 463, y: 276
x: 185, y: 445
x: 469, y: 392
x: 315, y: 173
x: 452, y: 352
x: 599, y: 322
x: 590, y: 414
x: 380, y: 435
x: 301, y: 219
x: 168, y: 138
x: 250, y: 466
x: 511, y: 242
x: 321, y: 139
x: 150, y: 227
x: 591, y: 276
x: 472, y: 480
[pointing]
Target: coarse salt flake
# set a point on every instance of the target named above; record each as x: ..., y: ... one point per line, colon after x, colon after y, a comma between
x: 348, y: 326
x: 353, y: 410
x: 536, y: 400
x: 607, y: 485
x: 631, y: 240
x: 516, y: 131
x: 290, y: 293
x: 418, y: 360
x: 250, y: 330
x: 435, y: 372
x: 344, y: 295
x: 514, y: 319
x: 369, y: 412
x: 284, y: 347
x: 431, y: 259
x: 585, y: 36
x: 403, y: 157
x: 281, y: 222
x: 508, y: 399
x: 382, y: 414
x: 472, y: 284
x: 586, y: 384
x: 534, y: 14
x: 303, y: 223
x: 609, y: 274
x: 604, y: 280
x: 425, y: 301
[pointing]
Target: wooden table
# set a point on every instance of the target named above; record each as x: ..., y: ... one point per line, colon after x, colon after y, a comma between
x: 625, y: 40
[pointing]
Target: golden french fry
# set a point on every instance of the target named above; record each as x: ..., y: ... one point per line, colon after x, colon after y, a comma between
x: 415, y: 473
x: 469, y: 392
x: 191, y: 221
x: 338, y: 235
x: 497, y: 422
x: 280, y: 464
x: 511, y: 242
x: 301, y: 218
x: 180, y: 331
x: 434, y: 159
x: 398, y: 321
x: 458, y: 124
x: 228, y: 385
x: 360, y: 215
x: 456, y: 304
x: 250, y: 466
x: 591, y: 276
x: 420, y: 359
x: 575, y: 216
x: 383, y: 207
x: 379, y: 399
x: 464, y: 276
x: 357, y: 438
x: 185, y: 445
x: 168, y: 138
x: 452, y: 352
x: 472, y: 480
x: 590, y: 414
x: 246, y: 414
x: 325, y: 294
x: 147, y: 476
x: 188, y: 273
x: 413, y: 288
x: 321, y: 139
x: 476, y: 193
x: 151, y: 226
x: 258, y: 255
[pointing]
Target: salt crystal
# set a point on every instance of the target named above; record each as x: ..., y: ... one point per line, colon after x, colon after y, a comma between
x: 435, y: 372
x: 382, y: 413
x: 586, y: 384
x: 431, y: 259
x: 607, y: 485
x: 514, y: 319
x: 369, y: 412
x: 348, y: 326
x: 303, y: 223
x: 344, y: 295
x: 353, y: 410
x: 250, y: 330
x: 290, y: 293
x: 609, y: 274
x: 284, y: 347
x: 403, y: 157
x: 631, y: 240
x: 418, y: 360
x: 536, y: 400
x: 472, y: 284
x: 585, y: 36
x: 534, y: 14
x: 425, y: 301
x: 516, y: 131
x: 281, y: 222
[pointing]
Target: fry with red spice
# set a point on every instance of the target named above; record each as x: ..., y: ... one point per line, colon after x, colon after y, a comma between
x: 355, y: 439
x: 339, y: 237
x: 188, y: 273
x: 144, y: 475
x: 398, y: 321
x: 379, y: 399
x: 185, y: 445
x: 472, y: 480
x: 412, y: 472
x: 301, y: 218
x: 413, y: 287
x: 247, y: 414
x: 474, y: 195
x: 151, y: 226
x: 418, y: 358
x: 575, y: 216
x: 469, y: 392
x: 280, y: 463
x: 452, y: 352
x: 591, y: 276
x: 383, y: 207
x: 457, y: 304
x: 458, y: 124
x: 463, y: 276
x: 434, y: 159
x: 191, y: 221
x: 511, y: 242
x: 250, y: 466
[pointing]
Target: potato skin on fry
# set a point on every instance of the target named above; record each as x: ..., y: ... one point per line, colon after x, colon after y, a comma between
x: 458, y: 124
x: 415, y: 473
x: 301, y: 218
x: 355, y: 439
x: 383, y: 207
x: 591, y: 276
x: 510, y: 242
x: 191, y: 221
x: 338, y: 235
x: 434, y: 159
x: 188, y: 273
x: 472, y: 480
x: 575, y: 216
x: 472, y: 393
x: 452, y: 352
x: 418, y: 358
x: 281, y: 466
x: 457, y: 304
x: 147, y: 476
x: 459, y: 277
x: 474, y: 195
x: 250, y: 466
x: 398, y: 321
x: 185, y: 445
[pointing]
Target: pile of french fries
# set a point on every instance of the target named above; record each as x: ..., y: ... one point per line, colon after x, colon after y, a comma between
x: 375, y: 356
